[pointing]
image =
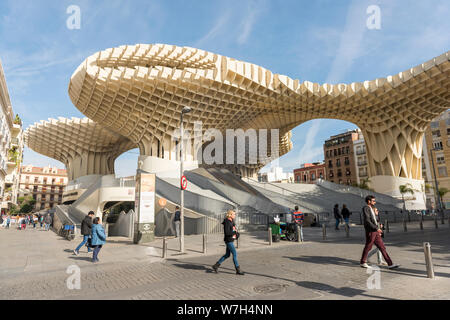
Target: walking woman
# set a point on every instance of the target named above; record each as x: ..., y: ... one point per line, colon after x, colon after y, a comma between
x: 98, y: 238
x: 230, y: 233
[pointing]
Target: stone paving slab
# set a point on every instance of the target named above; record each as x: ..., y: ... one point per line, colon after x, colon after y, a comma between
x: 315, y: 269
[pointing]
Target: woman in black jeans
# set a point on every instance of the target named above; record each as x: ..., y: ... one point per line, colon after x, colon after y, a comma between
x: 230, y: 232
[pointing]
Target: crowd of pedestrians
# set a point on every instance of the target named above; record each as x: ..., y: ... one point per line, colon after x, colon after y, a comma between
x: 341, y: 215
x: 22, y: 221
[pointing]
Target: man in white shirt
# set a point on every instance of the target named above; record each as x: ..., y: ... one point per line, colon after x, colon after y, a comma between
x: 373, y: 234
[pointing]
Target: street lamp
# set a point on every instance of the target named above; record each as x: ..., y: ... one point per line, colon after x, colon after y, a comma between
x: 435, y: 180
x: 185, y: 110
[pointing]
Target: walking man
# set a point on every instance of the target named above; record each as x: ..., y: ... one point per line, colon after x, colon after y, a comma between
x: 346, y: 214
x: 337, y: 216
x: 376, y: 250
x: 86, y: 228
x: 373, y: 234
x: 177, y: 220
x: 47, y: 221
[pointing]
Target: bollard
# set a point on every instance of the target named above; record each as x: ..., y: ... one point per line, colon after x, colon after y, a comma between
x: 347, y: 231
x: 395, y: 219
x: 405, y: 227
x: 421, y: 225
x: 386, y: 225
x: 428, y: 260
x: 270, y: 236
x: 360, y: 218
x: 297, y: 230
x: 324, y: 231
x: 435, y: 221
x: 409, y: 217
x: 205, y: 243
x: 442, y: 217
x: 164, y: 249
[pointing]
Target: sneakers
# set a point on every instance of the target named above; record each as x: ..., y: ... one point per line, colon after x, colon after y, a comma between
x: 394, y: 266
x: 75, y: 252
x: 365, y: 265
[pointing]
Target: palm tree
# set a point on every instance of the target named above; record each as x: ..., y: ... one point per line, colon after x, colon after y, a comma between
x: 404, y: 189
x: 442, y: 192
x: 364, y: 184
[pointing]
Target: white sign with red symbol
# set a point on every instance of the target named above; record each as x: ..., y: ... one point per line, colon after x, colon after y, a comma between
x: 183, y: 182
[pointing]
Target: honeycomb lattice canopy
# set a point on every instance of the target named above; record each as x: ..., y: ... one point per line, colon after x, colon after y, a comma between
x: 139, y: 91
x: 84, y: 146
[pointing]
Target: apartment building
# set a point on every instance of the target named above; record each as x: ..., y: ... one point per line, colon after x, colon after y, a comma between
x: 310, y: 172
x: 360, y: 153
x: 11, y: 147
x: 436, y: 159
x: 340, y: 158
x: 46, y: 185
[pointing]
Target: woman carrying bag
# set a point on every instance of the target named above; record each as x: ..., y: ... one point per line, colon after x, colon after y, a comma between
x: 231, y: 234
x: 98, y: 238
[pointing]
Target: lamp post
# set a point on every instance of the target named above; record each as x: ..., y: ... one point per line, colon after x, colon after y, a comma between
x: 435, y: 180
x: 185, y: 110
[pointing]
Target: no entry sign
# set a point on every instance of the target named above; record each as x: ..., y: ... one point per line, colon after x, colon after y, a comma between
x: 183, y: 182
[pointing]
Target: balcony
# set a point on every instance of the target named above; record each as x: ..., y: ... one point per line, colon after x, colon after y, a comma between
x: 363, y: 174
x: 360, y: 152
x: 362, y: 163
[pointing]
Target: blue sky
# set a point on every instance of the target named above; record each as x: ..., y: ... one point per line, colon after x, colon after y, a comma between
x: 320, y: 41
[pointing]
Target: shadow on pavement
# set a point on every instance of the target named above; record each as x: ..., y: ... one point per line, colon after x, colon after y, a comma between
x: 344, y: 291
x: 81, y: 258
x: 325, y: 260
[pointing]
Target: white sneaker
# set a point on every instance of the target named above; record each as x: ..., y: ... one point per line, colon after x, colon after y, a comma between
x: 365, y: 265
x: 75, y: 252
x: 393, y: 266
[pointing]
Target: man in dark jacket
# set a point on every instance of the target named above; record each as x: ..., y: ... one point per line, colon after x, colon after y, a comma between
x: 86, y: 226
x: 373, y: 234
x: 177, y: 220
x: 337, y: 216
x: 345, y: 214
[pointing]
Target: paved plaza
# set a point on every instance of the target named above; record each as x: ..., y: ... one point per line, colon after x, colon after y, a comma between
x: 34, y: 265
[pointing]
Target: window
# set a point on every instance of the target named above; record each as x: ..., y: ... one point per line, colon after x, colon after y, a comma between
x: 339, y: 173
x: 335, y: 152
x: 347, y: 172
x: 440, y: 159
x: 347, y: 150
x: 326, y: 154
x: 36, y: 180
x: 331, y: 174
x: 339, y: 151
x: 442, y: 171
x: 436, y: 133
x: 338, y: 162
x: 437, y: 145
x: 313, y: 176
x: 346, y: 161
x: 434, y: 124
x: 330, y: 164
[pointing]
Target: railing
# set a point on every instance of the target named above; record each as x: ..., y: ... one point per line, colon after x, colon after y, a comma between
x: 382, y: 198
x: 362, y: 163
x: 360, y: 152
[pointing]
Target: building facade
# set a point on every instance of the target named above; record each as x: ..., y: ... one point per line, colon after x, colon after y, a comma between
x: 11, y: 148
x: 46, y: 185
x: 276, y: 174
x: 360, y: 153
x: 340, y: 158
x: 436, y: 159
x: 310, y: 172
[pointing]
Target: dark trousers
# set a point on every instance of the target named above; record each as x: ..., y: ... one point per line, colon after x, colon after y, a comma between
x: 371, y: 239
x: 96, y: 251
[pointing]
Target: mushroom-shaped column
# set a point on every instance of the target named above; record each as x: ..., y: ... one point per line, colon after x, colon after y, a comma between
x: 139, y: 92
x: 85, y: 147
